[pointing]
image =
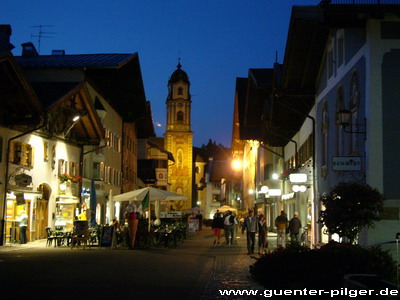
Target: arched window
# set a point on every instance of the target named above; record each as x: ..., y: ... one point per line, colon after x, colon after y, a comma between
x: 339, y: 129
x: 179, y: 116
x: 180, y: 90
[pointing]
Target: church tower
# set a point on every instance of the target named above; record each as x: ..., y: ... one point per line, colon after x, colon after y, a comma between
x: 178, y: 139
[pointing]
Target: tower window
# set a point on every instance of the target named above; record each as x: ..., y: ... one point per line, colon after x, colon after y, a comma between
x: 180, y: 91
x: 179, y: 116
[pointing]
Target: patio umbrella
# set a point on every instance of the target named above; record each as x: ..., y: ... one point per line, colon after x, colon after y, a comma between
x: 93, y: 204
x: 225, y: 208
x: 154, y: 195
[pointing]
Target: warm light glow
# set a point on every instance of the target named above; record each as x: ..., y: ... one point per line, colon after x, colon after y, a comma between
x: 298, y: 177
x: 198, y: 202
x: 75, y: 118
x: 237, y: 164
x: 251, y: 191
x: 63, y: 186
x: 295, y: 188
x: 275, y: 176
x: 264, y: 189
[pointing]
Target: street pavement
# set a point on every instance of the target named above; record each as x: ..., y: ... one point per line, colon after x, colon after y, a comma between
x: 196, y: 269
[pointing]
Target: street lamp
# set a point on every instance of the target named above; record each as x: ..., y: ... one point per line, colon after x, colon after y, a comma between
x: 344, y: 117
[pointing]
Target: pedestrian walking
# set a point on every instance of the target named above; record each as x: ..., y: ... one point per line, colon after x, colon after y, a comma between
x: 250, y: 226
x: 262, y: 234
x: 23, y: 224
x: 199, y: 216
x: 294, y: 227
x: 281, y: 223
x: 229, y: 223
x: 217, y: 225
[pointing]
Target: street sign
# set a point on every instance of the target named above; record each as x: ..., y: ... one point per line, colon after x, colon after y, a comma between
x: 346, y: 163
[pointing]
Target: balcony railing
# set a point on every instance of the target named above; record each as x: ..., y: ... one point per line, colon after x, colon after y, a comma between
x: 363, y: 2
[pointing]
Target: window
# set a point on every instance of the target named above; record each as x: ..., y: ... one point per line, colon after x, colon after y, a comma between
x: 96, y: 170
x: 354, y: 103
x: 215, y: 198
x: 216, y: 185
x: 180, y: 91
x: 339, y: 130
x: 45, y: 151
x: 179, y: 116
x: 330, y: 60
x: 340, y: 50
x: 324, y: 134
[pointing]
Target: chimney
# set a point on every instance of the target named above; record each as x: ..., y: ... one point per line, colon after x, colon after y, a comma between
x: 29, y: 50
x: 58, y: 52
x: 5, y: 33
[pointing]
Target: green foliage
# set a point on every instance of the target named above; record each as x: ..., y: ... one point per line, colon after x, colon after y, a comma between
x: 298, y: 267
x: 350, y: 207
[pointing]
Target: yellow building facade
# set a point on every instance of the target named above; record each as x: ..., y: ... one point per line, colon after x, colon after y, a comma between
x: 178, y: 138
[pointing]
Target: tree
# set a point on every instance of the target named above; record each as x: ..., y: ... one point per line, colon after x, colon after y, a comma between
x: 350, y: 207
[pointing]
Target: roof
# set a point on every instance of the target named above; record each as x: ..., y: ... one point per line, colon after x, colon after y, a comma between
x: 179, y: 75
x: 74, y: 61
x: 19, y: 104
x: 51, y: 92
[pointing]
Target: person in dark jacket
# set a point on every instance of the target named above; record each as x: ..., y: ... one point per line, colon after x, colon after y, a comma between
x: 217, y: 225
x: 281, y: 223
x: 294, y: 227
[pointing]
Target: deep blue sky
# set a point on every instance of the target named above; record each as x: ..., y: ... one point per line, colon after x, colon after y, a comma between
x: 217, y: 40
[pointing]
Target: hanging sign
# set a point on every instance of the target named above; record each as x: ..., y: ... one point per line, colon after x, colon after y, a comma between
x: 346, y: 163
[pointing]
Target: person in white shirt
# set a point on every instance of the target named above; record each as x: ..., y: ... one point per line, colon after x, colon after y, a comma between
x: 23, y: 224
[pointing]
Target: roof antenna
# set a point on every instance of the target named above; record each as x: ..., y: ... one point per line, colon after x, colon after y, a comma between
x: 40, y: 34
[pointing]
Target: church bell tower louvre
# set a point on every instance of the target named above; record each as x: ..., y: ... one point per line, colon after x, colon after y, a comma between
x: 178, y: 138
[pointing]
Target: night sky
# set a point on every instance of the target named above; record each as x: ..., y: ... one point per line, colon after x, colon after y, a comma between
x: 217, y: 41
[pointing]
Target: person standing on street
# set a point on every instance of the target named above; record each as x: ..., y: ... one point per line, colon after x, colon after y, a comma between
x: 199, y: 216
x: 250, y: 225
x: 23, y: 224
x: 229, y: 223
x: 294, y: 227
x: 262, y: 234
x: 281, y: 223
x: 217, y: 225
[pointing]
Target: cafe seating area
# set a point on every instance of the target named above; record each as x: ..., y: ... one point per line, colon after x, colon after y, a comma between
x: 165, y: 234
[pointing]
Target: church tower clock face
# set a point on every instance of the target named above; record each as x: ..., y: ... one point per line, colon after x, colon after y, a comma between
x: 178, y: 138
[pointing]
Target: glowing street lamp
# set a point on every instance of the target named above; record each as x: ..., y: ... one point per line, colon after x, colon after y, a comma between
x: 237, y: 164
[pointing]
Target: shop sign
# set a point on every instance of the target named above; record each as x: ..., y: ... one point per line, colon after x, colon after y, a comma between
x: 346, y: 163
x: 170, y: 214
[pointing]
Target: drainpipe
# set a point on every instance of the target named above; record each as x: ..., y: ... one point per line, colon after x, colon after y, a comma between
x: 3, y: 222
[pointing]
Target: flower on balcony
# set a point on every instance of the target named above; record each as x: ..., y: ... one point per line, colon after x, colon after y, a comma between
x: 71, y: 178
x: 285, y: 174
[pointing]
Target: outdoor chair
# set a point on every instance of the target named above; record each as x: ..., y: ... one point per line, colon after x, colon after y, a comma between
x: 50, y: 237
